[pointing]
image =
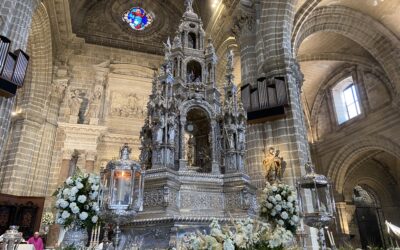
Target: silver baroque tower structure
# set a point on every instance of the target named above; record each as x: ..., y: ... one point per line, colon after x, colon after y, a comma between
x: 193, y: 145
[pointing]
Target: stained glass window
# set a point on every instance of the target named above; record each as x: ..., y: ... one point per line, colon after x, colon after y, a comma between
x: 137, y: 18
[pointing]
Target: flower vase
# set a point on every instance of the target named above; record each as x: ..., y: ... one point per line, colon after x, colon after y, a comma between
x: 76, y: 236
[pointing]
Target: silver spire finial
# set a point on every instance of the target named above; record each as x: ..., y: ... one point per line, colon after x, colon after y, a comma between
x: 189, y: 5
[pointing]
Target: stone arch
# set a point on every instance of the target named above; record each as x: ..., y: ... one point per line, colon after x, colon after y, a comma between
x: 302, y: 14
x: 190, y: 59
x: 335, y: 77
x: 38, y: 87
x: 194, y: 103
x: 369, y: 33
x: 342, y: 160
x: 34, y: 126
x: 375, y: 187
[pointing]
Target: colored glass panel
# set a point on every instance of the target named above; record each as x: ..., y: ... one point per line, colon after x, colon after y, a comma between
x: 137, y: 18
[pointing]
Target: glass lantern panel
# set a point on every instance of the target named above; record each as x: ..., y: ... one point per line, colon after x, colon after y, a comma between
x: 122, y: 187
x: 324, y: 200
x: 310, y: 200
x: 137, y: 188
x: 104, y: 195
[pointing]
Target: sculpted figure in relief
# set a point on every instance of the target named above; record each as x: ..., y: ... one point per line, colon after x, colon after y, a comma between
x: 189, y: 5
x: 190, y: 151
x: 159, y: 135
x: 241, y: 138
x: 171, y: 133
x: 75, y: 102
x: 95, y: 103
x: 273, y: 165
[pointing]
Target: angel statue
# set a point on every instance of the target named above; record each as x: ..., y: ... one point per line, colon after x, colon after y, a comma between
x: 167, y: 48
x: 273, y: 165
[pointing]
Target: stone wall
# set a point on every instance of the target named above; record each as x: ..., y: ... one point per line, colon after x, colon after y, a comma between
x: 124, y: 80
x: 362, y: 151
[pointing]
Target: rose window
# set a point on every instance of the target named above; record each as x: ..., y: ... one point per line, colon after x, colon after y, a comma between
x: 137, y: 18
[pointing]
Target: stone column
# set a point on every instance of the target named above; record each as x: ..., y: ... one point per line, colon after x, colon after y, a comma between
x: 65, y: 165
x: 215, y: 169
x: 90, y: 160
x: 182, y: 159
x: 275, y: 60
x: 265, y: 47
x: 15, y: 20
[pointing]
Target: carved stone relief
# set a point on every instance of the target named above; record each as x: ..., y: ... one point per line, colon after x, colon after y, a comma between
x: 129, y: 105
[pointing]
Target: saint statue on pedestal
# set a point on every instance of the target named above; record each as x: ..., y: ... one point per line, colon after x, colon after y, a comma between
x: 273, y: 165
x: 190, y: 151
x: 74, y: 102
x: 95, y: 102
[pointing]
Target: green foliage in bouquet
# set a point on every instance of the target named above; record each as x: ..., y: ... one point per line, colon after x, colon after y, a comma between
x: 77, y: 201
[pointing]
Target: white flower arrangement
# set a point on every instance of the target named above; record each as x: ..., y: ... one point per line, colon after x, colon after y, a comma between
x: 245, y: 234
x: 279, y: 208
x: 77, y: 201
x: 279, y: 205
x: 48, y: 219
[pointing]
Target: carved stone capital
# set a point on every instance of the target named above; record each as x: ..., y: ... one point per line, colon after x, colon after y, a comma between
x: 91, y: 156
x: 67, y: 154
x: 58, y: 87
x: 244, y: 22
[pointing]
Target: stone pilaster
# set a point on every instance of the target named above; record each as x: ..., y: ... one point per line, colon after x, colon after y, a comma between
x: 32, y: 137
x: 91, y: 157
x: 342, y: 217
x: 15, y: 20
x: 65, y: 165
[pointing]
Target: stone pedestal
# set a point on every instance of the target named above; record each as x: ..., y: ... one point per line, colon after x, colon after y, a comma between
x: 52, y: 236
x: 176, y: 203
x: 73, y: 119
x: 94, y: 121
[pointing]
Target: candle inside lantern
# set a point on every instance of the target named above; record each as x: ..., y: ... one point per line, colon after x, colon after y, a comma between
x: 122, y: 185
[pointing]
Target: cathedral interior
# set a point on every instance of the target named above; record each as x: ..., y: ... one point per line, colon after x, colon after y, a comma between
x: 332, y: 68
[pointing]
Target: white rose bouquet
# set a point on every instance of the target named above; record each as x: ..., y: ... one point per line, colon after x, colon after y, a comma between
x: 280, y: 205
x: 77, y: 201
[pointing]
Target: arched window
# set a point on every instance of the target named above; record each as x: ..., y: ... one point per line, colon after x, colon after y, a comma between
x: 346, y: 100
x: 193, y: 72
x: 192, y: 40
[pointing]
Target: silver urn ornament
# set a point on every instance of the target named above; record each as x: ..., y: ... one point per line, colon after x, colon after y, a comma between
x: 12, y: 238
